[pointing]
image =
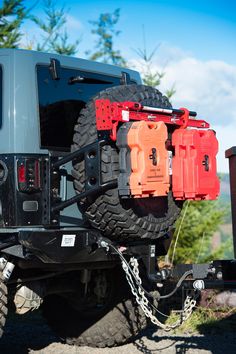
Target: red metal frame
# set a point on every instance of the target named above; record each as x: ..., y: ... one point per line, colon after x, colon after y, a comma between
x: 110, y: 114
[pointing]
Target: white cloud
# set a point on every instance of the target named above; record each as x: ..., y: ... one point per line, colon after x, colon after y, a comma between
x: 73, y: 24
x: 227, y: 138
x: 167, y: 54
x: 208, y: 87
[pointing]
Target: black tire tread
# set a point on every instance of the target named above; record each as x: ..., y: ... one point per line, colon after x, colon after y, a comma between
x: 115, y: 331
x: 119, y: 322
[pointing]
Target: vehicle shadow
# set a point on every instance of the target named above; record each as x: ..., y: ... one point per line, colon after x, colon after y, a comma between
x: 25, y: 333
x: 216, y: 339
x: 30, y: 332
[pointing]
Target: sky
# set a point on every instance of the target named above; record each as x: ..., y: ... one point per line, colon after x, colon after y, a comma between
x: 196, y: 49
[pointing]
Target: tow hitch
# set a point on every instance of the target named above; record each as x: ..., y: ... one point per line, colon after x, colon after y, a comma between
x: 191, y: 278
x: 219, y: 274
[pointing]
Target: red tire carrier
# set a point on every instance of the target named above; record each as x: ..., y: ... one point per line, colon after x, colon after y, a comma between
x: 160, y: 150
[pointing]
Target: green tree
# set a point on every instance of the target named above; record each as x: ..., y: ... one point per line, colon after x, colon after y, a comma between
x: 12, y: 15
x: 194, y: 230
x: 151, y: 77
x: 54, y: 37
x: 104, y: 28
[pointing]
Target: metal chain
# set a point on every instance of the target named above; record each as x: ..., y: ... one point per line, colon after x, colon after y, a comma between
x: 132, y: 275
x: 189, y: 303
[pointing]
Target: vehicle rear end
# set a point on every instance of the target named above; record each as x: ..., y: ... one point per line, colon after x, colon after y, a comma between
x: 51, y: 256
x: 94, y: 170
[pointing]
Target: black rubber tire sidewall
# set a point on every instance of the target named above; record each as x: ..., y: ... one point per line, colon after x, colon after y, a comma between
x: 117, y: 218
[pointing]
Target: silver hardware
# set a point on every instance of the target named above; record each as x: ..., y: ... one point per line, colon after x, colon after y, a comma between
x: 3, y: 262
x: 142, y: 300
x: 105, y: 245
x: 7, y: 271
x: 199, y: 284
x: 148, y: 308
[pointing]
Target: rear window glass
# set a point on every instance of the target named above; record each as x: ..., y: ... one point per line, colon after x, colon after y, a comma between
x: 60, y: 102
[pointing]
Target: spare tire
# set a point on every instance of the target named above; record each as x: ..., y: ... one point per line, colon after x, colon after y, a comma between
x: 121, y: 219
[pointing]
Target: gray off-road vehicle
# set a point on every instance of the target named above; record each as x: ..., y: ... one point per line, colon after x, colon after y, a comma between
x: 92, y: 174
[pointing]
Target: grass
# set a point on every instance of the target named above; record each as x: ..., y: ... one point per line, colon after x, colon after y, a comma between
x: 205, y: 319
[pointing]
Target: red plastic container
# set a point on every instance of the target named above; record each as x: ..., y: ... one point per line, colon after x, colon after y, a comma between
x: 194, y: 165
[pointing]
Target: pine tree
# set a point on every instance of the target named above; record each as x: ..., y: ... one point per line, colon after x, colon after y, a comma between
x: 194, y: 230
x: 12, y: 15
x: 151, y: 77
x: 54, y: 37
x: 104, y: 28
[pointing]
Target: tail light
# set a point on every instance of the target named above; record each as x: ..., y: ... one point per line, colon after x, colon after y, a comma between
x: 28, y: 174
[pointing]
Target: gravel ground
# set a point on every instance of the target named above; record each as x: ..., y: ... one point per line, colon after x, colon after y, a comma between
x: 30, y: 334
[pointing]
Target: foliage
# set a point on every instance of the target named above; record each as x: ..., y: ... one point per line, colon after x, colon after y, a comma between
x: 224, y: 199
x: 227, y: 242
x: 55, y: 37
x: 227, y: 206
x: 204, y: 319
x: 149, y: 76
x: 194, y: 229
x: 104, y: 28
x: 12, y: 15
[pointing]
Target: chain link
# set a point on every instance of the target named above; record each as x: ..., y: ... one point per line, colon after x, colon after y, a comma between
x: 132, y: 275
x: 137, y: 291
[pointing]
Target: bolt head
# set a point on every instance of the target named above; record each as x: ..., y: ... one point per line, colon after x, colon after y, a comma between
x: 199, y: 284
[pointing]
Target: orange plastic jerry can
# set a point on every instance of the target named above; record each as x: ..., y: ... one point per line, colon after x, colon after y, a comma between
x: 144, y: 160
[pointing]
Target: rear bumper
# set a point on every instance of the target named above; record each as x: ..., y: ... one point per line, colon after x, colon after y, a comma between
x: 61, y: 246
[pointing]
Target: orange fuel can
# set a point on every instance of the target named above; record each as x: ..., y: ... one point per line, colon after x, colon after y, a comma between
x: 144, y: 160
